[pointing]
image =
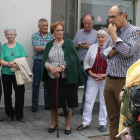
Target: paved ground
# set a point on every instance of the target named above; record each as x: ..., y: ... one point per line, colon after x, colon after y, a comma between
x: 36, y: 125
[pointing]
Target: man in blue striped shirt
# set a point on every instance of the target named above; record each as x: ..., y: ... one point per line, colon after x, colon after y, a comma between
x: 39, y: 41
x: 122, y: 50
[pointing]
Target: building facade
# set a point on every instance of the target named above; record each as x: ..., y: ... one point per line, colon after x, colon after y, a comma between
x: 24, y: 16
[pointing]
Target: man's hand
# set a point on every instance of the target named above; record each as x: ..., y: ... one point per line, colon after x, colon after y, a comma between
x: 85, y: 46
x: 124, y: 131
x: 77, y: 45
x: 121, y: 95
x: 39, y: 49
x: 112, y: 31
x: 112, y: 53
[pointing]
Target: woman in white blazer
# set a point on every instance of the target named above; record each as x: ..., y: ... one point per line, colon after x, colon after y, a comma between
x: 95, y: 67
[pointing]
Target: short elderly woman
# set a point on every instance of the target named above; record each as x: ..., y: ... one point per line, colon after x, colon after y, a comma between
x: 95, y: 66
x: 10, y: 51
x: 60, y: 60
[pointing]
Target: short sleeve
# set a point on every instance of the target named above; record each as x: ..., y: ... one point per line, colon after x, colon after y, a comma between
x: 22, y: 50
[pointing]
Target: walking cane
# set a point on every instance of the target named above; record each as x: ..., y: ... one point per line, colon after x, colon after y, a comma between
x: 57, y: 107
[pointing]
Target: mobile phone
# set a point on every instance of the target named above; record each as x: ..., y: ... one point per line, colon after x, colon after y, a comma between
x: 83, y: 43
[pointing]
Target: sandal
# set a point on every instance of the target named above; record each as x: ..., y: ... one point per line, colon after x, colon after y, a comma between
x: 102, y: 128
x: 1, y: 119
x: 82, y: 127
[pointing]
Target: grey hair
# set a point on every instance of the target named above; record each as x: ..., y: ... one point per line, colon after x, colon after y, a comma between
x: 103, y: 33
x: 41, y: 20
x: 122, y: 10
x: 10, y: 28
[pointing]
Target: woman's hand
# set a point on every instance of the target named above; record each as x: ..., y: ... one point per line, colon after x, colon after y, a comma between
x: 102, y: 76
x: 15, y: 66
x: 95, y: 76
x: 51, y: 69
x: 11, y: 63
x: 55, y: 70
x: 56, y: 74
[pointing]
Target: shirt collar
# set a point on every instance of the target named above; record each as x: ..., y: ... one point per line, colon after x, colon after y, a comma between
x: 88, y: 32
x: 41, y: 35
x: 124, y: 28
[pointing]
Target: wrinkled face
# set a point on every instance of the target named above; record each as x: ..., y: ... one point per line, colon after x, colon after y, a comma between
x: 88, y: 23
x: 10, y: 35
x: 59, y: 32
x: 101, y: 38
x: 116, y: 18
x: 43, y: 27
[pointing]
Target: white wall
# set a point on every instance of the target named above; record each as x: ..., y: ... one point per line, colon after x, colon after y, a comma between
x: 24, y: 16
x: 138, y: 13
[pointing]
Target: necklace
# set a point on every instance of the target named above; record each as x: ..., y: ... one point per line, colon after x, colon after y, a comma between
x: 12, y: 51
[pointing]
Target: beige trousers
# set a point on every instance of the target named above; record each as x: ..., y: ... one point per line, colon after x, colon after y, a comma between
x: 113, y: 104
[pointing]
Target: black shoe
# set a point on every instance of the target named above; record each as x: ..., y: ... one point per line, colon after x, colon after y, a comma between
x: 21, y: 120
x: 82, y: 127
x: 46, y: 108
x: 102, y: 128
x: 9, y: 119
x: 34, y: 109
x: 50, y: 130
x: 1, y: 119
x: 67, y: 132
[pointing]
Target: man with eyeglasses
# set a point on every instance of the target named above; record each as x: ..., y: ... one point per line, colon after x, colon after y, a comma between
x: 122, y: 50
x: 83, y: 39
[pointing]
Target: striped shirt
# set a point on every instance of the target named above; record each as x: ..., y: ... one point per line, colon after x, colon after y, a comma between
x: 38, y: 40
x: 127, y: 45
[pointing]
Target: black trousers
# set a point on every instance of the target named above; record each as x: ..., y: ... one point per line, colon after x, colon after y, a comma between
x: 8, y: 81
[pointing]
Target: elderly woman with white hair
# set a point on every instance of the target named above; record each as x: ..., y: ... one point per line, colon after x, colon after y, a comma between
x: 10, y: 51
x: 95, y: 67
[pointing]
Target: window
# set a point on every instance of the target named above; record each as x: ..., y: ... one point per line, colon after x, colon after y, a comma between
x: 65, y: 11
x: 99, y: 9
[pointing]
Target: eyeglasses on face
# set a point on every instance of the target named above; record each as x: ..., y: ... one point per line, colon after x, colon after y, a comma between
x: 114, y: 16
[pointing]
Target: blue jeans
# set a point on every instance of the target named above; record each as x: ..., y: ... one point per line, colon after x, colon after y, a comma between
x: 85, y: 85
x: 36, y: 84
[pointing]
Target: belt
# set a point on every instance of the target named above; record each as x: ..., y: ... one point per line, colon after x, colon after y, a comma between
x: 100, y: 68
x: 115, y: 78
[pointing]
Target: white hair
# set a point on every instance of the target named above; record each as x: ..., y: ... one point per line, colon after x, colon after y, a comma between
x: 103, y: 33
x: 10, y: 28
